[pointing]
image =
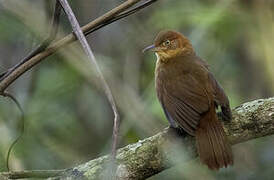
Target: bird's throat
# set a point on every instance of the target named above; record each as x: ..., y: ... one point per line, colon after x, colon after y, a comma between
x: 158, y: 57
x: 161, y: 57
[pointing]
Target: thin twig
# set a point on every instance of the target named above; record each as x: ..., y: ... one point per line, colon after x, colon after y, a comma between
x: 42, y: 46
x: 80, y: 35
x: 122, y: 15
x: 32, y: 174
x: 92, y: 26
x: 22, y: 130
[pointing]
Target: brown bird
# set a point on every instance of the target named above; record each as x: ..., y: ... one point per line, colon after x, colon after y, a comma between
x: 189, y: 94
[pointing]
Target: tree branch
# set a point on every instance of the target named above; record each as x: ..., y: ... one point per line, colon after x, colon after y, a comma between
x: 81, y: 37
x: 154, y: 154
x: 30, y: 174
x: 43, y: 45
x: 111, y: 16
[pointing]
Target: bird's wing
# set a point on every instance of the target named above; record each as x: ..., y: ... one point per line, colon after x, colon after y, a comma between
x: 220, y: 97
x: 184, y: 100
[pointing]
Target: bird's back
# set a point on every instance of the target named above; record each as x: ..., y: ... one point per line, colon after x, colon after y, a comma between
x: 189, y: 94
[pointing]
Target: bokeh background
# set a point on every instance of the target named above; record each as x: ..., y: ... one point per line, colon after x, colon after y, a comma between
x: 68, y: 118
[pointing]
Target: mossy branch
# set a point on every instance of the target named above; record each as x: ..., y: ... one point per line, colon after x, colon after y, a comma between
x: 154, y: 154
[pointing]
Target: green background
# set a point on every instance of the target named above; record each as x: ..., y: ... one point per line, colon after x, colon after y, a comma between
x: 68, y: 118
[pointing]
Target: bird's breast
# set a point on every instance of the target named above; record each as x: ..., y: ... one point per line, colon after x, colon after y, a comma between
x: 168, y: 71
x: 166, y: 74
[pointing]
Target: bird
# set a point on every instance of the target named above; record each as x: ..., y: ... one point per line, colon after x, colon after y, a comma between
x: 189, y: 95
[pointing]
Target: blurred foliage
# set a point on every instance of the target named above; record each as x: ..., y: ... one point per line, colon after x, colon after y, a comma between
x: 68, y: 119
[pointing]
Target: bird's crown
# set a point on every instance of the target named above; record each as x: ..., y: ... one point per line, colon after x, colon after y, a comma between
x: 169, y: 44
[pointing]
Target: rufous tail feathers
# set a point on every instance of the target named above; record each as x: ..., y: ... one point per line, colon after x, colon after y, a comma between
x: 213, y: 147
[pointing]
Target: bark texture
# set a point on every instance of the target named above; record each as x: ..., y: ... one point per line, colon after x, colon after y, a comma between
x: 154, y: 154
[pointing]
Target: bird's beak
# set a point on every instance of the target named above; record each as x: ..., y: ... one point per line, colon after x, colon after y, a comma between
x: 151, y: 47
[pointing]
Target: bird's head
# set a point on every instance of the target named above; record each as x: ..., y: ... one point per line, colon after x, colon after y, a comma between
x: 170, y: 44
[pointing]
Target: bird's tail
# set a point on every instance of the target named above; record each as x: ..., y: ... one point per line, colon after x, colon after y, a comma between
x: 213, y: 147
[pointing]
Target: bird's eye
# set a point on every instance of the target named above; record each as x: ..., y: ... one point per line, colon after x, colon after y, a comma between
x: 166, y: 43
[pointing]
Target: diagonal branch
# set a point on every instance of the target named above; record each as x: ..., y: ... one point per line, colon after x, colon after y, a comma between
x: 152, y: 155
x: 123, y: 15
x: 113, y: 15
x: 157, y: 153
x: 81, y: 37
x: 43, y: 45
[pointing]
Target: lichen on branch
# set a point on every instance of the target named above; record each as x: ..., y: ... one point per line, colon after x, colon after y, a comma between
x: 154, y: 154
